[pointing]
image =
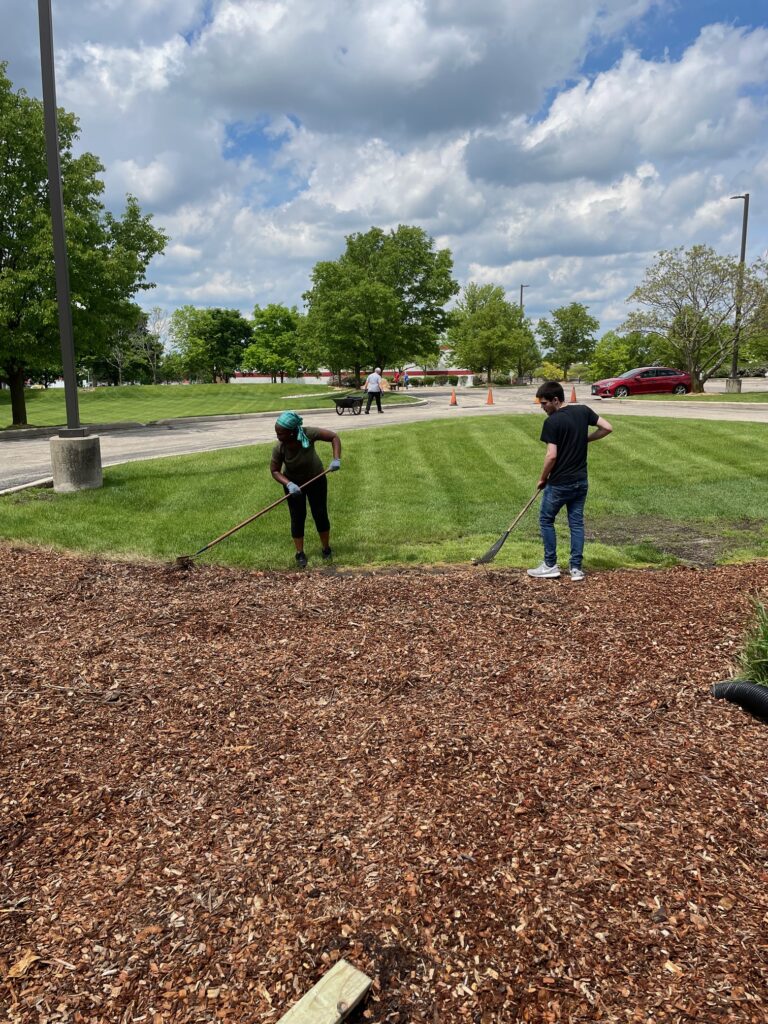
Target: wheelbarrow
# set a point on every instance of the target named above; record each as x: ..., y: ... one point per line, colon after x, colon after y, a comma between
x: 352, y: 402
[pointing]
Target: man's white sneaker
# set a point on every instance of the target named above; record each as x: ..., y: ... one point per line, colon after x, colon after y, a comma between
x: 576, y: 575
x: 545, y: 572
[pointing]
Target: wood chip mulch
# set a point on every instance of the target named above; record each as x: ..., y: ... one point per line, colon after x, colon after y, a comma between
x: 503, y: 799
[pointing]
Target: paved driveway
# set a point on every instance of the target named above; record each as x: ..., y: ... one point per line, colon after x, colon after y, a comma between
x: 27, y: 459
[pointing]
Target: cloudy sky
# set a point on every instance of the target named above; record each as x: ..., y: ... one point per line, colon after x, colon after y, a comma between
x: 553, y: 143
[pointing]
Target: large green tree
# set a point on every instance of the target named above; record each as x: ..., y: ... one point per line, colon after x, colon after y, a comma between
x: 280, y: 347
x: 382, y: 302
x: 570, y: 336
x: 489, y: 333
x: 108, y: 256
x: 210, y: 341
x: 689, y: 298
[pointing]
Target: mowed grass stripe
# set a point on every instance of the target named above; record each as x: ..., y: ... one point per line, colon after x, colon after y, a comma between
x: 145, y: 403
x: 428, y: 492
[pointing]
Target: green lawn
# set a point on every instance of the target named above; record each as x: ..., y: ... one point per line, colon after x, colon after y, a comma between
x: 743, y: 396
x: 147, y: 403
x: 430, y: 493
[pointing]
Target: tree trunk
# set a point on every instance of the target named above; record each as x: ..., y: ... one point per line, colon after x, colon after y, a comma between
x: 18, y: 401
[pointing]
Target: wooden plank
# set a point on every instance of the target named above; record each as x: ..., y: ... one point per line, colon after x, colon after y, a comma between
x: 332, y: 999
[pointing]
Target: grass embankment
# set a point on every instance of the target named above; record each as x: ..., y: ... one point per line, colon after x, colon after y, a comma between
x: 146, y: 403
x: 719, y: 396
x: 430, y: 493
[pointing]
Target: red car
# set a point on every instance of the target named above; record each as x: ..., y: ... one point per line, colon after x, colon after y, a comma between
x: 644, y: 380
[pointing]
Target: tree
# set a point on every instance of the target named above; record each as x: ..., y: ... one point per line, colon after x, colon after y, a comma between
x: 382, y: 301
x: 570, y: 336
x: 689, y: 298
x: 152, y: 339
x: 489, y: 333
x: 108, y: 256
x: 211, y: 341
x: 615, y: 353
x: 279, y: 345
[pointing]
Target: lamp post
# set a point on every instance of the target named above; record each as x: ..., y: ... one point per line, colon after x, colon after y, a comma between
x: 734, y: 381
x: 521, y: 296
x: 76, y: 458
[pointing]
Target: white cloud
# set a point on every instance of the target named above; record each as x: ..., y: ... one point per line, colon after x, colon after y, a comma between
x: 260, y: 132
x: 638, y: 110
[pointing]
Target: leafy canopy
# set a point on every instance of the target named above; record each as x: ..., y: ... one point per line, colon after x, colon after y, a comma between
x: 210, y: 342
x: 489, y: 333
x: 108, y: 256
x: 382, y: 301
x: 689, y: 298
x: 570, y: 336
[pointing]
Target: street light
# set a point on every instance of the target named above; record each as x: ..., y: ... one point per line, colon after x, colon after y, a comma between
x: 521, y: 296
x: 76, y: 458
x: 734, y: 382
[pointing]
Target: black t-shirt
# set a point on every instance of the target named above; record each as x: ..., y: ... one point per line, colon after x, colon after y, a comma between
x: 568, y: 428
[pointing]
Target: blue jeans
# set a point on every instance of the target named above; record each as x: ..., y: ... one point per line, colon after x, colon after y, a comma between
x: 573, y: 496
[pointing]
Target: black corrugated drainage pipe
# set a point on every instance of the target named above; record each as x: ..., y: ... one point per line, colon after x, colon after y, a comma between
x: 749, y: 696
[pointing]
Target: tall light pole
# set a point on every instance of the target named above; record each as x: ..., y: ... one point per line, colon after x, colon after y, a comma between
x: 76, y: 458
x: 734, y: 381
x: 521, y: 296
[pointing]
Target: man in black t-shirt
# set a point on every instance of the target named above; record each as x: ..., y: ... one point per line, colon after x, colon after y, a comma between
x: 564, y: 474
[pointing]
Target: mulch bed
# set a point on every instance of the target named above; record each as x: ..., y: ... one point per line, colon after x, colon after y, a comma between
x: 504, y: 799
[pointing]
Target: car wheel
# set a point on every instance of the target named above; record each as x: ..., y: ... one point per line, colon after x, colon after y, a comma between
x: 679, y: 389
x: 621, y: 391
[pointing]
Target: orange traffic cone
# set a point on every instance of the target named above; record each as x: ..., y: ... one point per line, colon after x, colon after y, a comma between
x: 489, y: 399
x: 453, y: 397
x: 573, y: 394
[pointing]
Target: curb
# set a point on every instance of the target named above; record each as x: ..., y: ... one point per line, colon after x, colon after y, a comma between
x: 46, y: 481
x: 30, y: 433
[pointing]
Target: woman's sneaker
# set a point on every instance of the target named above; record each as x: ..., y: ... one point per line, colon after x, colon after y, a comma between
x: 301, y: 560
x: 545, y: 572
x: 327, y: 554
x: 576, y: 574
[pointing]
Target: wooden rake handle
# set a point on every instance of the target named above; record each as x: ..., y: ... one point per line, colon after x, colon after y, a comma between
x: 525, y: 508
x: 256, y: 515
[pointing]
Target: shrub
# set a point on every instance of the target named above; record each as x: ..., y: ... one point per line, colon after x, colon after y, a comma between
x: 444, y: 380
x: 549, y: 371
x: 501, y: 379
x: 452, y: 379
x: 350, y: 382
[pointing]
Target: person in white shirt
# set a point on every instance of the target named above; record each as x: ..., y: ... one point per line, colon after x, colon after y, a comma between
x: 373, y: 387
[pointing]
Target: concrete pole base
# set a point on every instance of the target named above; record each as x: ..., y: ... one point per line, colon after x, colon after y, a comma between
x: 76, y: 463
x: 733, y: 385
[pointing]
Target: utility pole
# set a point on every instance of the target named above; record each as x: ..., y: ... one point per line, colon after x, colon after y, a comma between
x: 521, y: 296
x: 734, y: 381
x: 75, y: 458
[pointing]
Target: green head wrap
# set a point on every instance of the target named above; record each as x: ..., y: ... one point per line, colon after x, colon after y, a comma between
x: 292, y: 421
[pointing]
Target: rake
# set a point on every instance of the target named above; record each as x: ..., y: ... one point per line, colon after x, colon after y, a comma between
x: 491, y: 553
x: 186, y: 561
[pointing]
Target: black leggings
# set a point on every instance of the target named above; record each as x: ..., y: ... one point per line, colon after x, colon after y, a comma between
x: 317, y: 493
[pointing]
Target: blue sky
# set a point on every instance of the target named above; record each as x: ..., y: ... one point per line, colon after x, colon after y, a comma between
x: 555, y: 144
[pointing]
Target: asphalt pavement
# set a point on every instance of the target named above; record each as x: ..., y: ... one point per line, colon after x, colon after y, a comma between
x: 25, y: 455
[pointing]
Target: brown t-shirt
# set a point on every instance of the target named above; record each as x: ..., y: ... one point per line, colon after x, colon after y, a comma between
x: 299, y: 464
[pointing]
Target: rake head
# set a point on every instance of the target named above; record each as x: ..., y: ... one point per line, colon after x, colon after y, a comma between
x: 491, y: 553
x: 184, y: 562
